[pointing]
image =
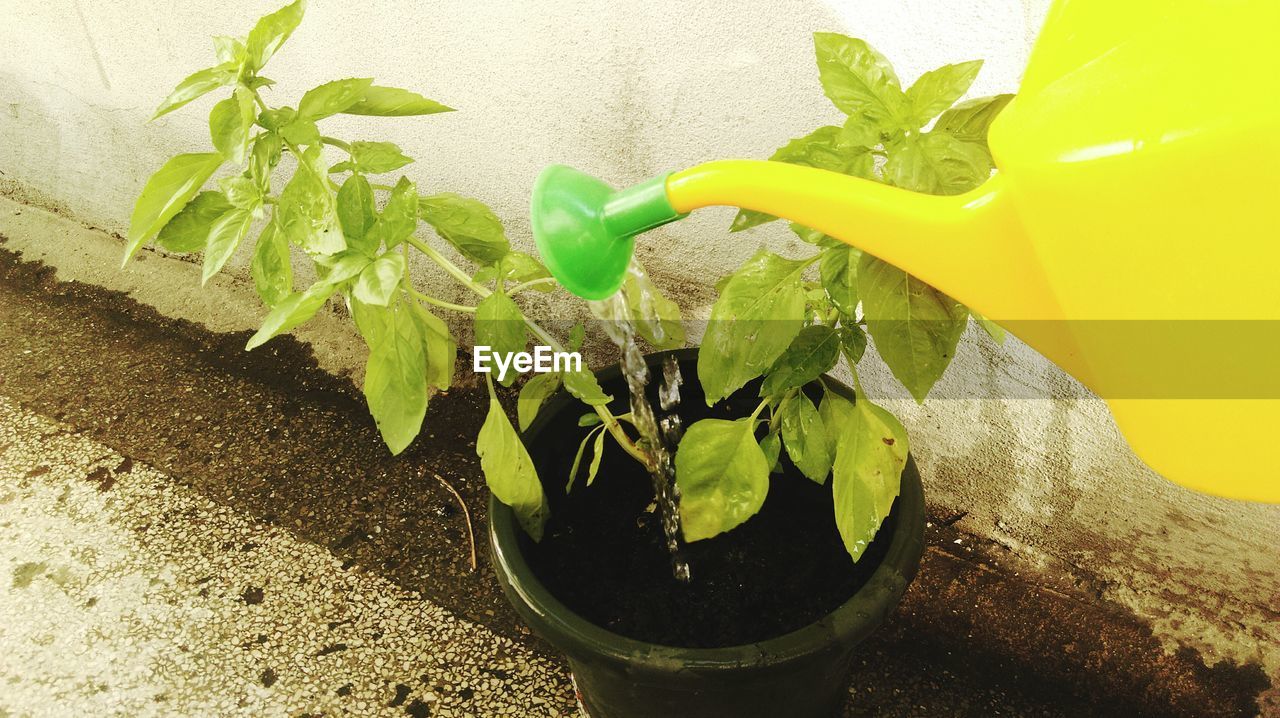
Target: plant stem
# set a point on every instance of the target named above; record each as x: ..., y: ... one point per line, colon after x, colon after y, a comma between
x: 454, y: 270
x: 773, y: 416
x: 610, y: 421
x: 759, y: 408
x: 335, y: 142
x: 441, y: 303
x: 530, y: 285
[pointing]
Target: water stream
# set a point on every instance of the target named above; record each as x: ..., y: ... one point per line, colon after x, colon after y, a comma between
x: 659, y: 436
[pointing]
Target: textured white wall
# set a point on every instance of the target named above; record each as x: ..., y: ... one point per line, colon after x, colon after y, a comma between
x: 627, y: 90
x: 622, y: 89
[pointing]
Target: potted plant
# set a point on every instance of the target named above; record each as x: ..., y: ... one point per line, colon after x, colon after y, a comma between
x: 789, y: 497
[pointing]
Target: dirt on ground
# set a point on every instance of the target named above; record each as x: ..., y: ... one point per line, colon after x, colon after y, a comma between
x: 270, y: 434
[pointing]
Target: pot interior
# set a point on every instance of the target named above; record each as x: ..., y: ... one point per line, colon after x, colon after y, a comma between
x: 603, y: 554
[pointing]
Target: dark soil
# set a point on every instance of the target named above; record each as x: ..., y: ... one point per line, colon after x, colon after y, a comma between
x: 266, y: 432
x: 604, y: 554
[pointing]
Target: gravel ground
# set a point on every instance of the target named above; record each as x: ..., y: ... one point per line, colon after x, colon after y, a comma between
x: 123, y: 594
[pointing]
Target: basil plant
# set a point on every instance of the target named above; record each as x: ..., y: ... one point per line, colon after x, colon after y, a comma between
x: 341, y: 207
x: 301, y: 198
x: 790, y: 320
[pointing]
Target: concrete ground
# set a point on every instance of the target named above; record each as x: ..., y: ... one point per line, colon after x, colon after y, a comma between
x: 186, y: 529
x: 127, y: 594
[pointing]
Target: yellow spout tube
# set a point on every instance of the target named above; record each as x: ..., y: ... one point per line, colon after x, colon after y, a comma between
x: 971, y: 246
x: 957, y: 243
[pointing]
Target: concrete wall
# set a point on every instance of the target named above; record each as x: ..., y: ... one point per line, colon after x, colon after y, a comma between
x: 628, y: 90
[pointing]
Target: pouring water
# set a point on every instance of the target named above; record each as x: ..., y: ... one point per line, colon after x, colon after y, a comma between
x: 658, y: 437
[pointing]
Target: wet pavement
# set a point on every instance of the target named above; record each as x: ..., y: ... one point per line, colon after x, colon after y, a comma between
x: 191, y: 529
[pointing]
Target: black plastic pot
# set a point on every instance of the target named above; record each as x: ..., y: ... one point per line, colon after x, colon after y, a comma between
x: 801, y: 674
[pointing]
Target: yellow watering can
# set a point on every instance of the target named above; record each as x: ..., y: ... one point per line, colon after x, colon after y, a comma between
x: 1131, y: 233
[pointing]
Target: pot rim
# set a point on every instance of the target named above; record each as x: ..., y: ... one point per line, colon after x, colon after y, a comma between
x: 848, y: 624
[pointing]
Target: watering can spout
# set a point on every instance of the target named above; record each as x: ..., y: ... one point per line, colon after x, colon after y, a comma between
x: 970, y: 245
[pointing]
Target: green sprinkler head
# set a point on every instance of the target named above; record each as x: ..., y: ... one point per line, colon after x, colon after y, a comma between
x: 585, y: 230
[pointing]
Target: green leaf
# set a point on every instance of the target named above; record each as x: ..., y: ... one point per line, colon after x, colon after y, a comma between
x: 229, y: 123
x: 442, y: 349
x: 867, y: 473
x: 839, y: 271
x: 228, y: 49
x: 264, y: 158
x: 197, y: 84
x: 817, y: 303
x: 301, y: 131
x: 274, y: 120
x: 356, y: 211
x: 224, y: 238
x: 188, y: 231
x: 597, y: 453
x: 824, y: 149
x: 813, y: 352
x: 858, y: 132
x: 271, y: 268
x: 500, y: 326
x: 399, y: 216
x: 853, y: 341
x: 242, y: 192
x: 270, y: 33
x: 589, y: 419
x: 759, y: 311
x: 970, y: 120
x: 332, y: 97
x: 307, y: 209
x: 394, y: 383
x: 836, y: 413
x: 378, y: 282
x: 377, y: 157
x: 655, y: 317
x: 805, y: 437
x: 394, y: 102
x: 771, y: 446
x: 509, y: 471
x: 916, y: 327
x: 936, y: 90
x: 748, y: 218
x: 722, y: 474
x: 467, y: 224
x: 584, y: 386
x: 166, y: 193
x: 532, y: 395
x: 301, y: 306
x: 814, y: 237
x: 577, y: 335
x: 993, y: 330
x: 577, y: 458
x: 937, y: 163
x: 514, y: 268
x: 858, y: 80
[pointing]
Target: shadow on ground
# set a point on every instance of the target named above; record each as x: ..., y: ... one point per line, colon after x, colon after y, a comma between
x: 271, y: 435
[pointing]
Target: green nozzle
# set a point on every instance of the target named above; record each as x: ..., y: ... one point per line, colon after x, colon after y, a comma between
x: 585, y: 230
